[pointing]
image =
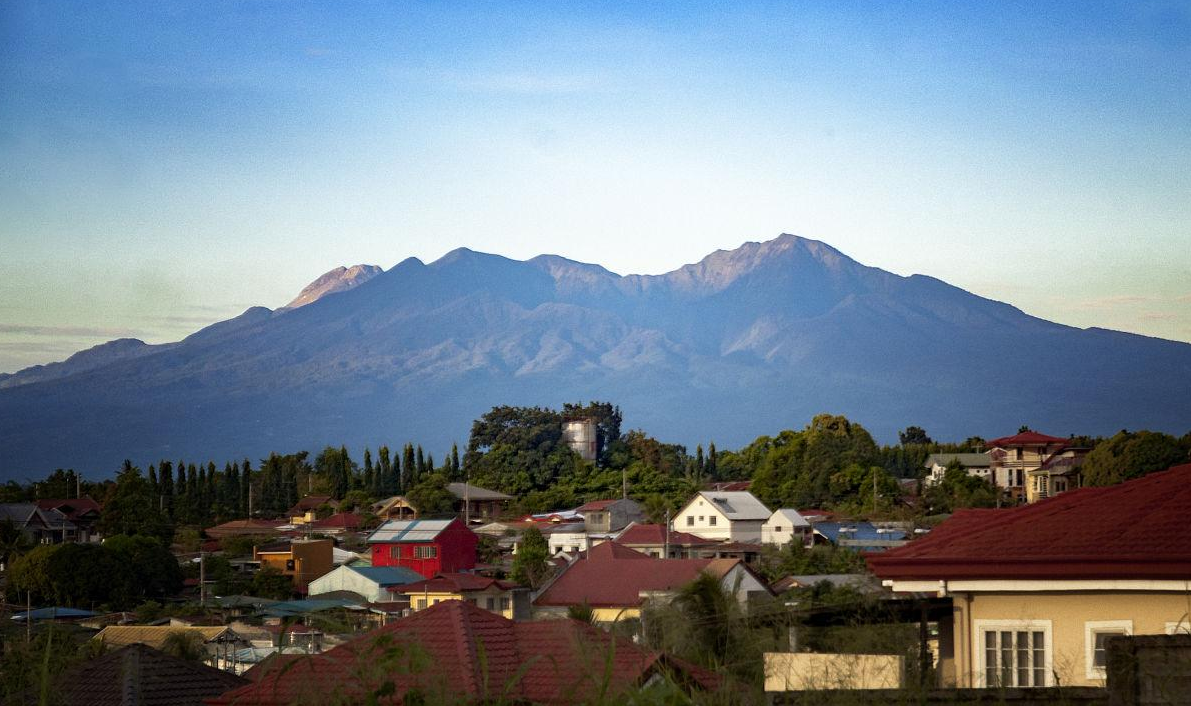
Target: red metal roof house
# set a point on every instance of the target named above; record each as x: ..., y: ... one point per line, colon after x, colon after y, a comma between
x: 429, y: 547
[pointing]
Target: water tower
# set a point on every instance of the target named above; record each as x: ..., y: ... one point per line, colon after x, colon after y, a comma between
x: 580, y: 435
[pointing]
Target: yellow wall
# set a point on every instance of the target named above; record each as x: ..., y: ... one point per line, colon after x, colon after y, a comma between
x: 419, y: 601
x: 801, y: 671
x: 312, y: 559
x: 1068, y: 614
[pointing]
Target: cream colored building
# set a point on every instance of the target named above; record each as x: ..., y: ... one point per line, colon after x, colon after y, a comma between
x: 1036, y: 590
x: 735, y: 516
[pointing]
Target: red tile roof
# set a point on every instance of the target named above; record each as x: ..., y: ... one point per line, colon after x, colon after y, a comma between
x: 242, y: 527
x: 455, y: 650
x: 340, y: 520
x: 310, y: 502
x: 1135, y: 530
x: 613, y: 576
x: 453, y: 583
x: 73, y: 508
x: 654, y: 535
x: 1027, y: 438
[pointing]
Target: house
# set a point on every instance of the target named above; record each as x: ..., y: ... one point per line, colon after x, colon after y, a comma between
x: 219, y: 642
x: 141, y: 675
x: 305, y: 509
x: 372, y: 583
x: 303, y: 560
x: 397, y: 507
x: 604, y: 516
x: 783, y: 526
x: 82, y: 512
x: 501, y: 597
x: 339, y: 523
x: 734, y: 516
x: 976, y: 464
x: 1037, y: 589
x: 569, y: 538
x: 429, y: 547
x: 616, y: 581
x: 39, y: 526
x: 476, y: 503
x: 654, y: 540
x: 455, y: 652
x: 1035, y: 466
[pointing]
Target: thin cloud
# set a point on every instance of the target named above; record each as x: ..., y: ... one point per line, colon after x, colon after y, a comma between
x: 1156, y: 316
x: 62, y: 331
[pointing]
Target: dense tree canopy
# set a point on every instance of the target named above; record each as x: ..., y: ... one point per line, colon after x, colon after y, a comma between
x: 1129, y: 455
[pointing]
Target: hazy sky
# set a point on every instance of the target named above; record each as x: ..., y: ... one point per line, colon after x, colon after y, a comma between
x: 164, y: 165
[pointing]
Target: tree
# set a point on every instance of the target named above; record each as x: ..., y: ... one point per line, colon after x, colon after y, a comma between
x: 959, y: 489
x: 150, y: 568
x: 431, y: 496
x: 271, y: 583
x: 184, y: 644
x: 530, y: 565
x: 131, y: 508
x: 913, y: 435
x: 1129, y: 455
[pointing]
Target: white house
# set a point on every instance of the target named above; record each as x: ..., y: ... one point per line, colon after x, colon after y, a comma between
x: 975, y: 464
x: 731, y: 516
x: 570, y: 537
x: 371, y: 582
x: 783, y: 526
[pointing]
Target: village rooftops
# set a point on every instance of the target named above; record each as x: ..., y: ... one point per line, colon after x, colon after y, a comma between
x: 237, y: 528
x: 454, y: 583
x: 398, y: 531
x: 655, y: 535
x: 141, y: 675
x: 1134, y: 530
x: 737, y: 505
x: 469, y: 655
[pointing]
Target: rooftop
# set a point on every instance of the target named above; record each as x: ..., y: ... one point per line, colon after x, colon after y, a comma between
x: 1136, y: 530
x: 396, y: 531
x: 155, y: 678
x: 1027, y: 438
x: 737, y: 505
x: 475, y: 493
x: 454, y: 583
x: 655, y: 535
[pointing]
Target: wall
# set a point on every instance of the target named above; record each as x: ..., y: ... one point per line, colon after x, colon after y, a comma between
x: 802, y: 671
x: 344, y: 579
x: 1068, y: 612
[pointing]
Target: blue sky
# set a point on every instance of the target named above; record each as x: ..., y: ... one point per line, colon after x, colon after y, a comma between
x: 164, y: 165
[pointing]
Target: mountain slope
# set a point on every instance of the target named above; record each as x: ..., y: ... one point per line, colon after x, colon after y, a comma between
x: 744, y: 342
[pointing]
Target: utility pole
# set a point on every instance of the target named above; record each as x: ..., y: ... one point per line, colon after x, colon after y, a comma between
x: 666, y: 551
x: 624, y: 483
x: 202, y: 579
x: 874, y: 492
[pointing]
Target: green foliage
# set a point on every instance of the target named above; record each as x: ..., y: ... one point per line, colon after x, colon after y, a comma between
x: 913, y: 435
x: 958, y: 489
x: 798, y: 560
x: 271, y: 583
x: 242, y: 545
x: 864, y: 491
x: 119, y: 573
x: 31, y: 670
x: 131, y: 507
x: 1129, y: 455
x: 184, y: 644
x: 530, y: 567
x: 431, y: 496
x: 795, y: 468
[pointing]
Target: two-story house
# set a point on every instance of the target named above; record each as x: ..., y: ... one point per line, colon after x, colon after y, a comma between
x: 501, y: 597
x: 729, y: 516
x: 1035, y: 466
x: 607, y: 516
x: 429, y: 547
x: 1036, y: 590
x: 976, y: 464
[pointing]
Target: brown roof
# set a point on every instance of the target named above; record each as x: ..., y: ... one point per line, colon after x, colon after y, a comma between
x: 243, y: 527
x: 156, y: 678
x: 453, y: 583
x: 310, y: 502
x: 611, y: 576
x: 454, y: 651
x: 651, y: 535
x: 73, y: 508
x: 1134, y: 530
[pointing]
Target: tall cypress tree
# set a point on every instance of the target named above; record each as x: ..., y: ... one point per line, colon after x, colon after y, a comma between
x: 455, y: 474
x: 700, y: 464
x: 421, y: 464
x: 388, y: 481
x: 408, y: 470
x: 711, y: 460
x: 165, y: 480
x: 367, y: 481
x: 245, y: 486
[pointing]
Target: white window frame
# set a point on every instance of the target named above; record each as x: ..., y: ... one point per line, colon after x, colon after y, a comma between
x: 979, y: 627
x: 1090, y: 630
x: 1181, y: 627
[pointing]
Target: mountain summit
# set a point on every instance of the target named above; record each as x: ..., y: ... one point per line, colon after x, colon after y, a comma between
x: 339, y: 279
x: 745, y: 342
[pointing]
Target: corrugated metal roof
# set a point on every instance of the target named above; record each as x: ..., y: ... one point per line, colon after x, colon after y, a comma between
x: 387, y: 575
x: 980, y: 460
x: 396, y: 531
x: 475, y: 493
x: 738, y: 505
x: 154, y: 635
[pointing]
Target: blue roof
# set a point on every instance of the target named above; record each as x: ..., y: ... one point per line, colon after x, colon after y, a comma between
x: 388, y: 575
x: 856, y: 531
x: 306, y: 605
x: 54, y: 613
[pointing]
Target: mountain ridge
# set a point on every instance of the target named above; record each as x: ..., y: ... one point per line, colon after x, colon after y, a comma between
x: 741, y: 343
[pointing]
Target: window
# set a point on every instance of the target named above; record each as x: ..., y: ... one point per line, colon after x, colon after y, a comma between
x: 1013, y: 653
x: 1096, y: 635
x: 394, y: 552
x: 700, y: 518
x: 504, y: 604
x: 778, y: 529
x: 690, y: 520
x: 490, y: 603
x: 711, y: 520
x: 425, y: 552
x: 419, y: 603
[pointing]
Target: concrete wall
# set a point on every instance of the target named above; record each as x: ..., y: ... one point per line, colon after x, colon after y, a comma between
x: 806, y: 671
x: 1067, y: 617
